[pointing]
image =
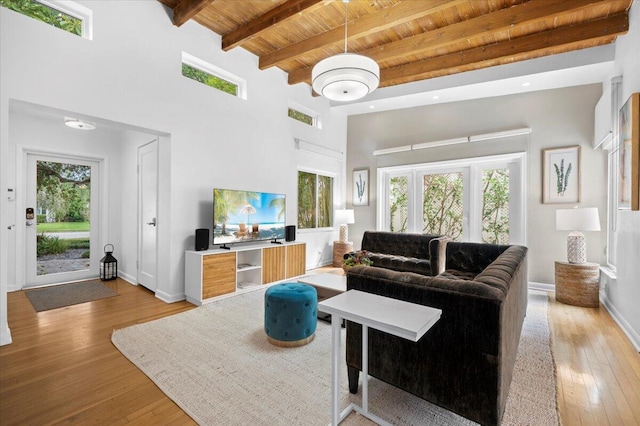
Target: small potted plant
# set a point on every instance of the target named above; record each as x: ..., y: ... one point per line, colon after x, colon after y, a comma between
x: 360, y: 257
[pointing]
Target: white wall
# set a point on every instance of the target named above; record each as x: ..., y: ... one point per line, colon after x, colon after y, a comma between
x: 557, y: 118
x: 130, y: 74
x: 622, y: 294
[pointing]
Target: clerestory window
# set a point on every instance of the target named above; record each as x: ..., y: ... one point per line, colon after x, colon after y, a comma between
x: 65, y: 15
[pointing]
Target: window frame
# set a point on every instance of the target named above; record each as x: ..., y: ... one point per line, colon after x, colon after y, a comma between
x: 73, y: 9
x: 324, y: 173
x: 206, y: 67
x: 317, y: 122
x: 472, y: 169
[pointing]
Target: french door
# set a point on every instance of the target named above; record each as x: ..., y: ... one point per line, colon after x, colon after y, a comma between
x: 478, y: 200
x: 61, y: 217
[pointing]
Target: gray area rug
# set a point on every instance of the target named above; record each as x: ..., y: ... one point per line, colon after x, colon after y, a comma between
x: 58, y: 296
x: 216, y: 364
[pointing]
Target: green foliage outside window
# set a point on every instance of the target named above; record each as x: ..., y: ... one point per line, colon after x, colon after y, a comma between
x: 442, y: 208
x: 315, y: 195
x: 399, y: 203
x: 63, y: 191
x: 495, y: 207
x: 300, y: 116
x: 210, y: 80
x: 46, y: 14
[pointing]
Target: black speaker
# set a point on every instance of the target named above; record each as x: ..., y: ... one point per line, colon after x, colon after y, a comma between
x: 290, y: 233
x: 202, y: 239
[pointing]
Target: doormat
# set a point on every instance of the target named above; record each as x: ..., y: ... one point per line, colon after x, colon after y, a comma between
x: 58, y: 296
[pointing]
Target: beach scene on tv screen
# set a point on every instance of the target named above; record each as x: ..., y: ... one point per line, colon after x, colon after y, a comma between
x: 242, y: 216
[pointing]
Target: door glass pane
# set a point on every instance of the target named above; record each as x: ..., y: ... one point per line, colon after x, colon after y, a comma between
x: 62, y: 217
x: 398, y: 203
x: 495, y: 206
x: 442, y: 204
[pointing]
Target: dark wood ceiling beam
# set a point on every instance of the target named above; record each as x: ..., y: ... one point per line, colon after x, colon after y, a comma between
x: 278, y: 14
x: 530, y: 12
x: 369, y: 24
x: 187, y: 9
x: 527, y: 13
x: 591, y: 31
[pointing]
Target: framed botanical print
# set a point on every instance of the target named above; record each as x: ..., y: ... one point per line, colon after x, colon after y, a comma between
x: 629, y: 152
x: 561, y: 175
x: 361, y: 187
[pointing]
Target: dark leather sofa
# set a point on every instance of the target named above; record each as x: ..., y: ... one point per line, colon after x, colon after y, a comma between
x: 465, y: 362
x: 417, y: 253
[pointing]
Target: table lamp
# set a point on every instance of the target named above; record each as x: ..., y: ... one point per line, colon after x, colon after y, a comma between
x: 576, y: 220
x: 343, y: 218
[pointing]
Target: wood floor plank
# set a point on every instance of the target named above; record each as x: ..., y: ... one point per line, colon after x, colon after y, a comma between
x: 64, y: 360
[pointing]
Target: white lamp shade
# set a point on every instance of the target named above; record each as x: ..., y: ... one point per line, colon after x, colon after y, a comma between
x: 345, y: 77
x: 585, y: 219
x: 343, y: 216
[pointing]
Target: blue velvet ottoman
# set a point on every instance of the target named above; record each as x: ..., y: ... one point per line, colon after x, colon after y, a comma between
x: 290, y: 314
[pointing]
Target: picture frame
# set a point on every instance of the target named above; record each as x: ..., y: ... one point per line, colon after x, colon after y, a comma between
x: 561, y: 175
x: 361, y: 187
x: 629, y: 154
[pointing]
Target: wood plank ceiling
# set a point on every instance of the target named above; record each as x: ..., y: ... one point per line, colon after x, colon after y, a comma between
x: 411, y: 40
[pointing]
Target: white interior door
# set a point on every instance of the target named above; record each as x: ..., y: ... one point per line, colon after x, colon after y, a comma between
x: 62, y: 193
x: 147, y: 214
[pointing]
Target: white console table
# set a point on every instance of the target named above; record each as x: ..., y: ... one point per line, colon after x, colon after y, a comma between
x: 212, y: 273
x: 397, y: 317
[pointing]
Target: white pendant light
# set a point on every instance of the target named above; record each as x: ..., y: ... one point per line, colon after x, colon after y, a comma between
x: 345, y: 76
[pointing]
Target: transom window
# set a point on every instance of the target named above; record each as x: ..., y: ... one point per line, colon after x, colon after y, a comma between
x: 315, y: 200
x: 68, y: 16
x: 301, y: 116
x: 212, y: 76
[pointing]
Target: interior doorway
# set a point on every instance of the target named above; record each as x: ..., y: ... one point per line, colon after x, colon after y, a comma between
x: 148, y: 214
x: 61, y: 217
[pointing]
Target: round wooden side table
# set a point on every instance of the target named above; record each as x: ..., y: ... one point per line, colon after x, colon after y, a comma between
x: 339, y: 250
x: 578, y: 284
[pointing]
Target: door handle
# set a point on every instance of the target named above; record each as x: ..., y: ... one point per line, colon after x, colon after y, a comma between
x: 153, y: 222
x: 29, y: 223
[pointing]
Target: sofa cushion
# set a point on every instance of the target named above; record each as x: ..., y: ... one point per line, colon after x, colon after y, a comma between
x: 401, y: 263
x: 454, y: 274
x: 396, y: 243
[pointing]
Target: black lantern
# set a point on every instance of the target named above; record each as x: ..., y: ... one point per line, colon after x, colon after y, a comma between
x: 108, y: 265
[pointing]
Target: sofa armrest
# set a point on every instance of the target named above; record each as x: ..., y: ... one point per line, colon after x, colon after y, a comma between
x: 437, y: 254
x: 462, y: 302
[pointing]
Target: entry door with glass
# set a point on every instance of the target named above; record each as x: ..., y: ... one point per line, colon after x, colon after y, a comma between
x: 61, y: 217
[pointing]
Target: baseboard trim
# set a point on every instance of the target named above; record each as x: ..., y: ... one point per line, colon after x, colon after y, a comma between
x: 5, y: 335
x: 128, y: 278
x: 626, y: 328
x: 170, y: 298
x: 541, y: 286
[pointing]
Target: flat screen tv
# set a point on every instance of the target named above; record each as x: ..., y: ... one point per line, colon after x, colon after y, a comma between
x: 245, y: 216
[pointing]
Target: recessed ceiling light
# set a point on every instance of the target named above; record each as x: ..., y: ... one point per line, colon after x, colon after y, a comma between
x: 526, y: 84
x: 79, y: 124
x: 436, y: 97
x: 372, y: 106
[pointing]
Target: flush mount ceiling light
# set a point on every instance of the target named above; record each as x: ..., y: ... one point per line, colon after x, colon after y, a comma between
x: 74, y: 123
x: 345, y: 76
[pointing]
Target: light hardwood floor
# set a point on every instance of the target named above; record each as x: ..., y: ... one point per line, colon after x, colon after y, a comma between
x: 62, y: 367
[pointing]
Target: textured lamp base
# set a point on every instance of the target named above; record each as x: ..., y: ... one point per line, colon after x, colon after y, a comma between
x: 576, y: 248
x: 344, y: 233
